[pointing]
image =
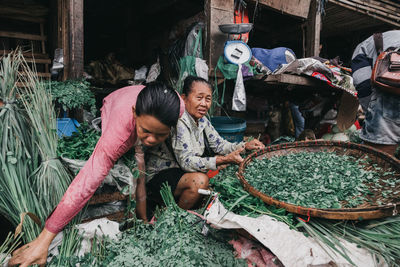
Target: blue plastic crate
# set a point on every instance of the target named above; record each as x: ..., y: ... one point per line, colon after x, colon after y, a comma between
x: 66, y: 126
x: 230, y: 128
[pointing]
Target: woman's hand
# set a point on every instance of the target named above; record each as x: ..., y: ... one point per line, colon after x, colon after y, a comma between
x: 254, y: 144
x: 233, y: 157
x: 34, y: 252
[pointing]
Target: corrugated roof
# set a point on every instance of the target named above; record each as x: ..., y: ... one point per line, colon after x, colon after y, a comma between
x: 380, y: 10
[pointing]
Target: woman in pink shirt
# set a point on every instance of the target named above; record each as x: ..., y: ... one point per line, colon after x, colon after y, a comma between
x: 131, y: 116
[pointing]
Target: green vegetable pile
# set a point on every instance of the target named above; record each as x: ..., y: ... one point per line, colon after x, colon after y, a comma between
x: 236, y: 199
x: 73, y: 94
x: 313, y: 179
x: 80, y: 144
x: 174, y: 240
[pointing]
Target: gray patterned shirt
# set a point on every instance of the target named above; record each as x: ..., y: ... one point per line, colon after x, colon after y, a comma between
x: 188, y: 145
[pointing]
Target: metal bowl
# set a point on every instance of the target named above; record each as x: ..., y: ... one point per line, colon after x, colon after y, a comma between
x: 236, y: 28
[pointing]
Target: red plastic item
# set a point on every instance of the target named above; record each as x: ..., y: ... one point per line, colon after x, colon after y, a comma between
x: 212, y: 173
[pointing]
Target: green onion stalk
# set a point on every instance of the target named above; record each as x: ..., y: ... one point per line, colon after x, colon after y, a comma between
x: 9, y: 245
x: 51, y: 178
x: 18, y: 154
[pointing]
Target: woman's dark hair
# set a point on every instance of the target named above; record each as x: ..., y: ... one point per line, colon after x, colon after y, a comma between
x: 160, y: 101
x: 188, y: 84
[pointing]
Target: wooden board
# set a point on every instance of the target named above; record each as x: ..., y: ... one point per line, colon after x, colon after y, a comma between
x: 106, y: 197
x: 291, y: 79
x: 297, y: 8
x: 27, y: 54
x: 20, y: 35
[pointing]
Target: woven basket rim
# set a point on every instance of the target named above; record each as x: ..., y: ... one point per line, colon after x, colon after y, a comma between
x: 372, y: 212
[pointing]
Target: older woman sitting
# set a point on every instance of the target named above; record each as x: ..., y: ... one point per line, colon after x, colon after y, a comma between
x: 185, y: 170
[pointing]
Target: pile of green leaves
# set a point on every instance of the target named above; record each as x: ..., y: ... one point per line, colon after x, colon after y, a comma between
x: 236, y: 199
x: 80, y: 144
x: 174, y: 240
x: 73, y: 94
x: 313, y: 179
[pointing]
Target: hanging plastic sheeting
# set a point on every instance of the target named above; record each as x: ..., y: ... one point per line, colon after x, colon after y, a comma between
x: 239, y: 94
x: 193, y: 50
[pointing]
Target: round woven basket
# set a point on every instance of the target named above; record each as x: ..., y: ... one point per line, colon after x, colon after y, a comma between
x: 390, y: 207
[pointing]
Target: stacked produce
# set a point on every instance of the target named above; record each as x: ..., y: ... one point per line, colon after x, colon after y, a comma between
x: 174, y: 240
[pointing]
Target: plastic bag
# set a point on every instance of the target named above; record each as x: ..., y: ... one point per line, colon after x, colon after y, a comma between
x: 201, y: 68
x: 239, y: 95
x: 119, y: 173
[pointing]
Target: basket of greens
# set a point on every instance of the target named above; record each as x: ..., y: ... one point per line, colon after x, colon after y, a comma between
x: 328, y: 179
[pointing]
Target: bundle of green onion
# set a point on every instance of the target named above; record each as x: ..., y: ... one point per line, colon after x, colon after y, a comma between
x: 18, y: 152
x: 51, y: 177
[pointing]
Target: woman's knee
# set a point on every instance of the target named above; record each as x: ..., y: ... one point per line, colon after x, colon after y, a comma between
x: 198, y: 180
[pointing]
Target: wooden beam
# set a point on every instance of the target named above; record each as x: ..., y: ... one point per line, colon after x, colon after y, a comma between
x: 296, y: 8
x: 313, y: 31
x: 76, y: 39
x: 217, y: 12
x: 20, y: 35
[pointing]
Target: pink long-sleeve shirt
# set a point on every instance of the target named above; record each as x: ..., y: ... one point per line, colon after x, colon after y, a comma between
x: 118, y: 136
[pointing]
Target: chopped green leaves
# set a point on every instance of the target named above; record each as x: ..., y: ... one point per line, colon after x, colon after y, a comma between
x: 315, y: 179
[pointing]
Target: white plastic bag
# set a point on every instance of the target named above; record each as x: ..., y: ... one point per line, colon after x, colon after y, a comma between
x: 201, y: 68
x: 239, y: 95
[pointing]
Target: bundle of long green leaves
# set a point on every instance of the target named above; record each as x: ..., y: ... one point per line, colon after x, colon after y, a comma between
x: 32, y: 178
x: 313, y: 179
x: 51, y: 178
x: 19, y: 154
x: 174, y: 240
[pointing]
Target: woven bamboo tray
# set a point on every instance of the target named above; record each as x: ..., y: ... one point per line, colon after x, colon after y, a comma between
x: 391, y: 205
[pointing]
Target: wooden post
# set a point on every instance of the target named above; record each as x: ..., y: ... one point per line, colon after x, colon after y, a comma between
x: 217, y: 12
x: 313, y: 30
x: 76, y: 39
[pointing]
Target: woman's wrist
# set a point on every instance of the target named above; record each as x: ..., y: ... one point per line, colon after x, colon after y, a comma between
x: 46, y: 236
x: 220, y: 160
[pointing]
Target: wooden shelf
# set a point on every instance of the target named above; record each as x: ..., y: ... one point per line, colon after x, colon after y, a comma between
x: 38, y: 60
x: 20, y: 35
x: 23, y: 18
x: 292, y: 79
x: 42, y: 75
